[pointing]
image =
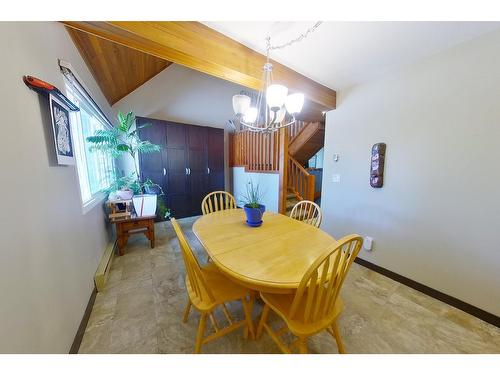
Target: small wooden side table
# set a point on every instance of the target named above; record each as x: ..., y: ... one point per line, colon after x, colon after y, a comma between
x: 133, y: 225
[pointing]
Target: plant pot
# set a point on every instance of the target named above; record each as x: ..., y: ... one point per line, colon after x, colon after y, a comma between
x: 145, y: 204
x: 152, y: 190
x: 125, y: 194
x: 254, y: 215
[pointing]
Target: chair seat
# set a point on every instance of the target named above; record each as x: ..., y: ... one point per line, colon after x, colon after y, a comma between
x: 282, y: 303
x: 222, y: 289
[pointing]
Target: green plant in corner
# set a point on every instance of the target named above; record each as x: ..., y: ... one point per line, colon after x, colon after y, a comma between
x: 162, y: 209
x: 123, y: 139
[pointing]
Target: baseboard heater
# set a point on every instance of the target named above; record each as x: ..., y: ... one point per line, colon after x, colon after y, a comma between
x: 102, y: 273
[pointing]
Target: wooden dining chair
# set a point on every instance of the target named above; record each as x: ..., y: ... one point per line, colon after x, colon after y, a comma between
x: 208, y: 289
x: 316, y: 304
x: 217, y: 201
x: 308, y: 212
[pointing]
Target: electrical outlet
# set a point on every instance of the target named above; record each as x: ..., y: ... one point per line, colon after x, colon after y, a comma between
x: 368, y: 243
x: 336, y: 178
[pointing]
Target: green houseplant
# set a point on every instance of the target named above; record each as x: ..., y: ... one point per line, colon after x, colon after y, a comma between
x: 123, y: 139
x: 252, y: 205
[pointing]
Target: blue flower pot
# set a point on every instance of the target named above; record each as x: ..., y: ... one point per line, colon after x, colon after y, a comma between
x: 254, y: 215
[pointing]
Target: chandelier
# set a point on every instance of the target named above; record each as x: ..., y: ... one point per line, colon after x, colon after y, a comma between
x: 273, y: 108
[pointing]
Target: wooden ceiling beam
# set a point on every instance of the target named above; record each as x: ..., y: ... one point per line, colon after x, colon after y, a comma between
x: 201, y: 48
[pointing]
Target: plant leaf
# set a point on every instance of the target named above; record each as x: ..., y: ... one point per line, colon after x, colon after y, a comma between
x: 147, y: 147
x: 129, y: 120
x: 123, y: 147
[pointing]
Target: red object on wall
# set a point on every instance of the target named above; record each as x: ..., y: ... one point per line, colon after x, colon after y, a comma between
x: 38, y: 83
x: 46, y: 88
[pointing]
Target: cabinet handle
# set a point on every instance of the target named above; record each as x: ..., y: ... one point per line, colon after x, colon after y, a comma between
x: 208, y: 170
x: 187, y: 172
x: 164, y: 172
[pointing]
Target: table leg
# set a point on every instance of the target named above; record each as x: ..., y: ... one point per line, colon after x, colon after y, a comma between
x: 152, y: 233
x: 252, y: 295
x: 121, y: 240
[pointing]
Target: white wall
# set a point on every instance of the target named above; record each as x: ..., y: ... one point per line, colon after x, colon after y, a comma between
x: 268, y: 185
x: 319, y: 159
x: 436, y: 220
x: 49, y: 250
x: 184, y: 95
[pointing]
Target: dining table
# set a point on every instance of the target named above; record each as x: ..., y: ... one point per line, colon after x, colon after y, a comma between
x: 271, y: 258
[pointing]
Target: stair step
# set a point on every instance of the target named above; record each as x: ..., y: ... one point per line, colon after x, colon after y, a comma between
x: 290, y: 203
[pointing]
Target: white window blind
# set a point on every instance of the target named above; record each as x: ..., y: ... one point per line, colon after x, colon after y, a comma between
x: 95, y: 169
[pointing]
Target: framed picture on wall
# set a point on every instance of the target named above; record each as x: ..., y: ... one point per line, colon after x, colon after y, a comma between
x: 59, y: 114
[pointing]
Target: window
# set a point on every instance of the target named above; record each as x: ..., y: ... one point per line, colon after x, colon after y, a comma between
x: 95, y: 169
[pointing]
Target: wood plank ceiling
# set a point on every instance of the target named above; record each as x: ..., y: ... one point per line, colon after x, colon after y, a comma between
x: 198, y: 47
x: 118, y: 70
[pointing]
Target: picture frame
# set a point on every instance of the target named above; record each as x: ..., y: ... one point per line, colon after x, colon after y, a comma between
x: 61, y: 128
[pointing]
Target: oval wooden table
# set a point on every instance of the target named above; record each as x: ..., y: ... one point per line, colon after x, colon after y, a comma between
x: 271, y: 258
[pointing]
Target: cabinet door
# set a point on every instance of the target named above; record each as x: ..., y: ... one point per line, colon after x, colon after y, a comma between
x: 151, y: 165
x: 198, y: 164
x: 215, y: 159
x: 177, y: 184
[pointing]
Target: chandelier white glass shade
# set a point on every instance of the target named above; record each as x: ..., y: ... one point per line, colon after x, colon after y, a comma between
x: 276, y: 95
x: 241, y: 103
x: 273, y: 109
x: 294, y: 103
x: 250, y: 114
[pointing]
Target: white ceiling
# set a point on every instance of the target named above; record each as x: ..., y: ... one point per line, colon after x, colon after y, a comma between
x: 341, y: 54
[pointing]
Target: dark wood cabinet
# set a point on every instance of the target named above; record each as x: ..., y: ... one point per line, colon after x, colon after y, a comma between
x: 215, y: 159
x: 190, y: 165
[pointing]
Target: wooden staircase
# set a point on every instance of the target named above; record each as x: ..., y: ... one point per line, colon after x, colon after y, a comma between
x: 305, y: 143
x: 300, y: 181
x: 291, y: 200
x: 284, y: 152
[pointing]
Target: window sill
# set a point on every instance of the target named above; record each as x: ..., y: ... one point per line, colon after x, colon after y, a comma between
x: 94, y: 201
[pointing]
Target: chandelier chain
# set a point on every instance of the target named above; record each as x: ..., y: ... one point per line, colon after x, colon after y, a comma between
x: 293, y: 41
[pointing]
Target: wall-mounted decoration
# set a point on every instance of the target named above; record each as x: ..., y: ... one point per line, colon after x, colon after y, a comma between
x: 377, y: 165
x: 59, y: 106
x: 59, y: 114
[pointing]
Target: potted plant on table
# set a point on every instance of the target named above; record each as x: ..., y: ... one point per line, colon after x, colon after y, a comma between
x: 123, y: 139
x: 254, y: 210
x: 121, y: 187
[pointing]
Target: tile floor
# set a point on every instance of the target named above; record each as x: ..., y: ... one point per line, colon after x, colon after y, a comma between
x: 140, y: 311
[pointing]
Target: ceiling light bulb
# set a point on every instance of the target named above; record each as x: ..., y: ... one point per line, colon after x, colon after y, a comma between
x: 241, y: 103
x: 276, y: 95
x: 294, y: 103
x: 250, y: 115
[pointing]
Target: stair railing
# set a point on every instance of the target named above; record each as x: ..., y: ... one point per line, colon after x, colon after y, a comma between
x: 257, y: 152
x: 296, y: 128
x: 300, y: 181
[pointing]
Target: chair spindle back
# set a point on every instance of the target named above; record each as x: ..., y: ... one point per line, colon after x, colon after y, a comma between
x: 308, y: 212
x: 321, y: 283
x: 217, y: 201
